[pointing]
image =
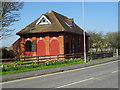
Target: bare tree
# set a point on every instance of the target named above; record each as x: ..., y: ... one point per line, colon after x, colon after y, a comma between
x: 9, y: 14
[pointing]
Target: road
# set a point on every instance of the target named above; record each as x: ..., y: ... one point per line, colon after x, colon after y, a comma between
x: 97, y: 76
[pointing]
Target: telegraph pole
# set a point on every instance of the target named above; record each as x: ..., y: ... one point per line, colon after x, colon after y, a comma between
x: 84, y: 31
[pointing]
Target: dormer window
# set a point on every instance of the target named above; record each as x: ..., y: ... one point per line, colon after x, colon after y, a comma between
x: 70, y: 25
x: 70, y: 22
x: 43, y: 20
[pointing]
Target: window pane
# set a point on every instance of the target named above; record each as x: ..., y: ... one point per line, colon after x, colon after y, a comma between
x: 28, y: 46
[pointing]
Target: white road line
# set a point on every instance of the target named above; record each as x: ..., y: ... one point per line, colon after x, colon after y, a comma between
x: 56, y: 73
x: 115, y: 71
x: 75, y: 82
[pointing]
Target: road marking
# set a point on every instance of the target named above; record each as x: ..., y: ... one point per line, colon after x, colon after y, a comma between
x: 115, y: 71
x: 75, y: 82
x: 29, y: 78
x: 55, y: 73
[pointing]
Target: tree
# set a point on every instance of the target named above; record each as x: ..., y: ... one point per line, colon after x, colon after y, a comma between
x: 113, y: 40
x: 9, y: 14
x: 97, y: 40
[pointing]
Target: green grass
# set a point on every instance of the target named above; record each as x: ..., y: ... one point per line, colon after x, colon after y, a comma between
x: 41, y: 66
x: 97, y: 59
x: 114, y: 54
x: 13, y: 70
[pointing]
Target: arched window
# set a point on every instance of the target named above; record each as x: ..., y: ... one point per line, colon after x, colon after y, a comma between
x: 28, y: 46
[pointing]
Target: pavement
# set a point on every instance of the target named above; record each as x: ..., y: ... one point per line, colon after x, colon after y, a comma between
x: 98, y: 76
x: 54, y: 70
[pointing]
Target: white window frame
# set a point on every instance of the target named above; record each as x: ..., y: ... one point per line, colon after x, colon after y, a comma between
x: 43, y: 16
x: 71, y: 25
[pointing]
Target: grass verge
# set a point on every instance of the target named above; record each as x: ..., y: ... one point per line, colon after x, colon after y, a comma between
x: 41, y: 66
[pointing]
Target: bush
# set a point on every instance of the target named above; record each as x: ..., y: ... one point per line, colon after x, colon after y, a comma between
x: 4, y: 69
x: 47, y: 63
x: 16, y: 67
x: 7, y: 52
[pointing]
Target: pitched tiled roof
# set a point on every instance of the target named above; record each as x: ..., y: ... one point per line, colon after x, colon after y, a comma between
x: 59, y: 23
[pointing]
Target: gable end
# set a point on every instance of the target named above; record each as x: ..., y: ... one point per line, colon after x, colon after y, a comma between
x: 43, y: 20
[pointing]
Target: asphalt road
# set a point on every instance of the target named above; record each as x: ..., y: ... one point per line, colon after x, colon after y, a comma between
x: 97, y: 76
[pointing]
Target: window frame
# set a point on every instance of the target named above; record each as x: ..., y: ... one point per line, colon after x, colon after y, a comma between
x: 28, y: 46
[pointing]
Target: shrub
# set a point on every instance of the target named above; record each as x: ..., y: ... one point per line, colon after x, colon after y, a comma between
x: 7, y: 52
x: 4, y: 69
x: 47, y: 63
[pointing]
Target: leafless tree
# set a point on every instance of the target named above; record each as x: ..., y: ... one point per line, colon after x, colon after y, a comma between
x: 9, y: 13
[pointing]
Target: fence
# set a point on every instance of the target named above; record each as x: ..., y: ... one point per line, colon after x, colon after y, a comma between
x: 7, y: 60
x: 100, y: 55
x: 59, y: 57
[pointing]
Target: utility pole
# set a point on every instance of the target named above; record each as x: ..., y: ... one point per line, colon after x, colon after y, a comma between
x: 117, y: 52
x: 84, y: 31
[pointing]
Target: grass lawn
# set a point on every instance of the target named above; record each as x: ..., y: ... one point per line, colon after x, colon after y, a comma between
x: 24, y: 68
x: 31, y: 67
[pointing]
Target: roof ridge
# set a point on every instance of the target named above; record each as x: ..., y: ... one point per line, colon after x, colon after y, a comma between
x: 60, y: 21
x: 57, y: 13
x: 54, y: 13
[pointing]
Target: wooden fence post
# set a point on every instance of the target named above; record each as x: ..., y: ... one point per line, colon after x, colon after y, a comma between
x: 90, y: 56
x: 38, y: 60
x: 73, y: 56
x: 57, y: 57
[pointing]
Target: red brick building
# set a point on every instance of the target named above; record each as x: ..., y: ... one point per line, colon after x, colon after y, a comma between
x: 51, y: 34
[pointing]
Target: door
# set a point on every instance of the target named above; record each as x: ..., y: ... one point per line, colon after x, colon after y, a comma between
x: 41, y: 50
x: 54, y: 47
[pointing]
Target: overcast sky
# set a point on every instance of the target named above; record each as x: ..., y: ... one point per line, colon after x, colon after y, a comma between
x: 99, y: 16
